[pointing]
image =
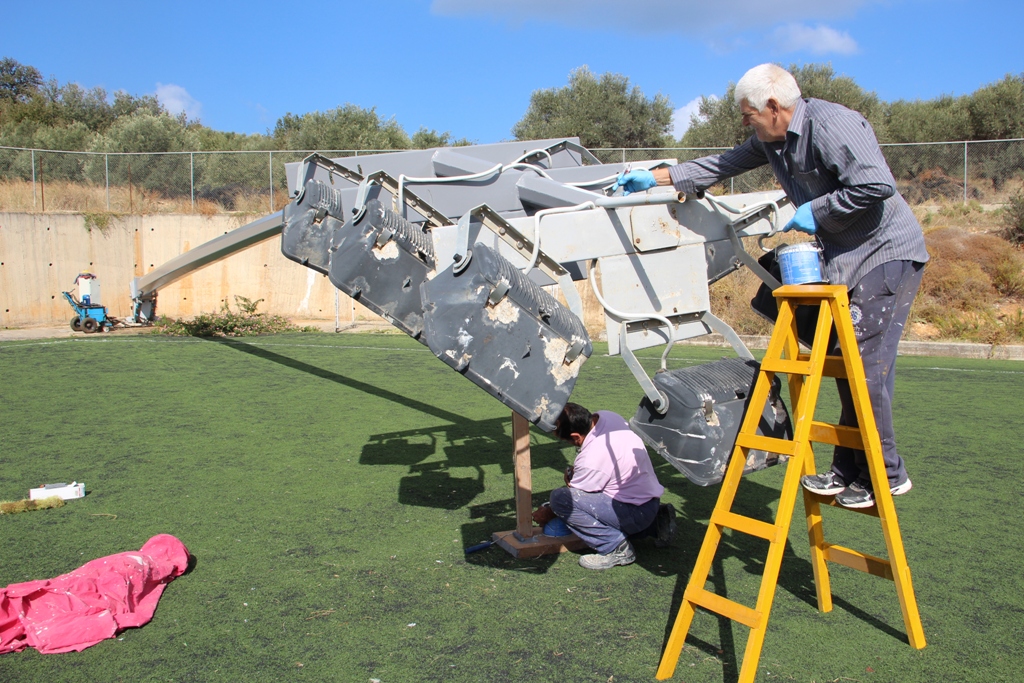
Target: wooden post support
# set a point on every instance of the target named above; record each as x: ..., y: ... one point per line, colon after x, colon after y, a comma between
x: 528, y: 540
x: 523, y: 476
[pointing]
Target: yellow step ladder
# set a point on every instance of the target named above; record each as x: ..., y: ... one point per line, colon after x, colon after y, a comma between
x: 804, y: 372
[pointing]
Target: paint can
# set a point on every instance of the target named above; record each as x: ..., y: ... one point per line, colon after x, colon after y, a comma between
x: 556, y: 527
x: 800, y: 264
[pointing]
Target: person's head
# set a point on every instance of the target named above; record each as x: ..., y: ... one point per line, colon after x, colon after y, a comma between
x: 573, y: 424
x: 767, y: 95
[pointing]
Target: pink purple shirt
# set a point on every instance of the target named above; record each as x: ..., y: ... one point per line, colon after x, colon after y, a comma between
x: 614, y: 460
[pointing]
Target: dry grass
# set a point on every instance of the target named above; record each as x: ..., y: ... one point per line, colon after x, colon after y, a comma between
x: 64, y: 196
x: 973, y: 288
x: 27, y: 505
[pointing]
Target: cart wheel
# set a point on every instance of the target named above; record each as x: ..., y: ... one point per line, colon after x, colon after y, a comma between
x: 76, y: 323
x: 89, y: 325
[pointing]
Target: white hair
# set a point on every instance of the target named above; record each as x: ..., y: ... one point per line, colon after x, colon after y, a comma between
x: 767, y: 82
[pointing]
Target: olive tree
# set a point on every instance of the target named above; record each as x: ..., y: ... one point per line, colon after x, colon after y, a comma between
x: 603, y: 111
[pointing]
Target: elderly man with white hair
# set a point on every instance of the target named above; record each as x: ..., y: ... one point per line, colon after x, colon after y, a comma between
x: 828, y: 162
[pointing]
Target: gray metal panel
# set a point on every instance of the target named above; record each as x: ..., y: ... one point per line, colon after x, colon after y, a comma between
x: 380, y: 260
x: 545, y: 193
x: 207, y: 253
x: 671, y: 283
x: 706, y: 405
x: 487, y: 321
x: 418, y: 162
x: 309, y: 223
x: 446, y: 162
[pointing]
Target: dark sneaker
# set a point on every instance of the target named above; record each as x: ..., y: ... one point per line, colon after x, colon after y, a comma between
x: 665, y: 525
x: 855, y: 496
x: 622, y: 555
x: 825, y: 484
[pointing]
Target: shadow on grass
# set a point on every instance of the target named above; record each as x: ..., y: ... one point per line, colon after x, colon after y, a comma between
x: 796, y: 575
x: 467, y: 444
x: 371, y: 389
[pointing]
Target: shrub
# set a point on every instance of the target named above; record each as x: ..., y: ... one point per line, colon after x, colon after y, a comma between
x: 969, y: 271
x: 1013, y: 219
x: 245, y: 323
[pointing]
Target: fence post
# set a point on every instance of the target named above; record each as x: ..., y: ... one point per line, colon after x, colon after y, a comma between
x: 42, y: 184
x: 965, y: 171
x: 192, y: 178
x: 106, y: 177
x: 33, y: 180
x: 271, y: 180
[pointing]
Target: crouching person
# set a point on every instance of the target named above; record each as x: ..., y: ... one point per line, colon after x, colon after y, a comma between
x: 612, y: 494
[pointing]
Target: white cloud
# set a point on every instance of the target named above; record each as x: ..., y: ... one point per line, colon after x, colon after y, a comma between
x: 177, y: 100
x: 681, y: 116
x: 818, y: 40
x: 654, y: 16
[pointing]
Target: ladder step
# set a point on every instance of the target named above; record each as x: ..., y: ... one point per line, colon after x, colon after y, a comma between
x: 784, y: 365
x: 747, y: 525
x: 854, y: 559
x: 766, y: 443
x: 724, y: 606
x: 831, y: 502
x: 834, y: 366
x: 837, y: 435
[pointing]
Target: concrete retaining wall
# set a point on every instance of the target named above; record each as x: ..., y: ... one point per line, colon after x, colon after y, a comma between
x: 41, y: 254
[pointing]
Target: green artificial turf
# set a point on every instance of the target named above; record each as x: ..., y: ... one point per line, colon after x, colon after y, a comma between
x: 327, y: 485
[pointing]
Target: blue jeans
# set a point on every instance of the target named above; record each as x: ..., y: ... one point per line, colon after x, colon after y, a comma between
x: 600, y: 521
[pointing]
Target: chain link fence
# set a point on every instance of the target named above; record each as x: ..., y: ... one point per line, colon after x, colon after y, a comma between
x: 254, y: 181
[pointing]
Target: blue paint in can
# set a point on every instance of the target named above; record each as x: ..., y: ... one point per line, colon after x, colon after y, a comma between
x: 800, y: 264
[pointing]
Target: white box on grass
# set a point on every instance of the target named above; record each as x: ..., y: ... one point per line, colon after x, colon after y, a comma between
x: 65, y: 491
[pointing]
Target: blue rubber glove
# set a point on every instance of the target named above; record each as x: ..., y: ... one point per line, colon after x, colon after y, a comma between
x: 802, y: 221
x: 635, y: 181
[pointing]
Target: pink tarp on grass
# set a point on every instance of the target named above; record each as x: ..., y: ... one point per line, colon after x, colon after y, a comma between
x: 102, y: 597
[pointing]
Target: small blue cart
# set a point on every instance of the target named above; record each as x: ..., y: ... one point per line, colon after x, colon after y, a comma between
x: 88, y: 317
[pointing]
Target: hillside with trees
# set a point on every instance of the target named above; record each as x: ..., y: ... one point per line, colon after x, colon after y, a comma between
x: 992, y: 112
x: 603, y: 110
x: 972, y: 290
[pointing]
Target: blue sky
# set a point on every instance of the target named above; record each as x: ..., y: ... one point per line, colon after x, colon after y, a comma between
x: 469, y: 66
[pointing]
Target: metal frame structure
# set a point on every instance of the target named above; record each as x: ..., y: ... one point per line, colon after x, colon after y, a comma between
x: 550, y: 214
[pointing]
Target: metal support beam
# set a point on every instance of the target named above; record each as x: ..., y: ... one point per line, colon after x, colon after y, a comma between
x: 146, y: 287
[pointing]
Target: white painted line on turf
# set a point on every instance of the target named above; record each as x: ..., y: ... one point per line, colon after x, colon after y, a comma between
x: 194, y: 340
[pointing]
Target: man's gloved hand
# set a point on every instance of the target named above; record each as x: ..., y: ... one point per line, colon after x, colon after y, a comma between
x: 802, y: 221
x: 635, y: 181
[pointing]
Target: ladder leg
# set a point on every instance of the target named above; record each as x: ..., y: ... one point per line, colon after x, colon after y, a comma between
x: 698, y: 578
x: 701, y: 569
x: 674, y: 646
x: 816, y: 536
x: 879, y: 478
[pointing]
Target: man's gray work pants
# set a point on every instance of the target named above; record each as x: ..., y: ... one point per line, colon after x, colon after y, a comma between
x: 879, y: 307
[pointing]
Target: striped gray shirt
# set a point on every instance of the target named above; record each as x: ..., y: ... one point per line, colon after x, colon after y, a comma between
x: 830, y: 157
